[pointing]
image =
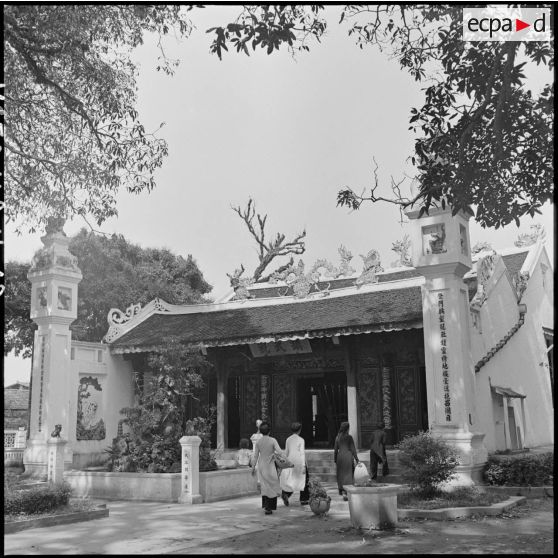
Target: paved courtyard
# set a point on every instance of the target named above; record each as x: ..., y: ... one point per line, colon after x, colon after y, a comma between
x: 239, y: 526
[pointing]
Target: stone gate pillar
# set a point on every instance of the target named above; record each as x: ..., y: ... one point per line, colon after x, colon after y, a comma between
x: 54, y: 277
x: 190, y: 475
x: 441, y: 252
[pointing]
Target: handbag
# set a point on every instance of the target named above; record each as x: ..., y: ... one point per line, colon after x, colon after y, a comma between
x: 281, y: 462
x: 361, y: 473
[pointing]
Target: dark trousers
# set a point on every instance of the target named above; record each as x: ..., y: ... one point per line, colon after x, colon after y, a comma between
x: 269, y: 503
x: 374, y: 460
x: 304, y: 494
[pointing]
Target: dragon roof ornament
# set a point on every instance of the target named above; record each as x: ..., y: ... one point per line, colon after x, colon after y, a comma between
x: 119, y: 321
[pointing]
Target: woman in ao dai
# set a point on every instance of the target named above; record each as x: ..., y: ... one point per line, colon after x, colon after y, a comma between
x: 294, y: 478
x: 265, y: 449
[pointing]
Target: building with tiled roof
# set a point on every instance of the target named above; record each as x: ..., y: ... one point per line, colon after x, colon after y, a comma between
x: 456, y: 344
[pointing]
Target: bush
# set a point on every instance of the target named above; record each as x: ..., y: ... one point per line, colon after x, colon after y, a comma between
x: 428, y: 461
x: 36, y: 500
x: 520, y: 470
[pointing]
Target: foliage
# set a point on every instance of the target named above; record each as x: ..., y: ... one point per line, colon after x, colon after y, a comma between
x: 520, y: 470
x: 116, y: 273
x: 316, y: 489
x: 482, y: 138
x: 460, y: 497
x: 161, y: 418
x: 36, y: 500
x: 19, y: 329
x: 202, y: 426
x: 74, y: 138
x: 428, y: 461
x: 269, y: 27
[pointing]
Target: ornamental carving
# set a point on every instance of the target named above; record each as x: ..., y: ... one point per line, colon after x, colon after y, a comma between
x: 485, y: 269
x: 117, y: 317
x: 402, y: 248
x: 372, y: 265
x: 519, y: 281
x: 303, y: 283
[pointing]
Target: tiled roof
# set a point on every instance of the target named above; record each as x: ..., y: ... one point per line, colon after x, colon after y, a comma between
x: 370, y: 311
x: 16, y: 398
x: 515, y: 261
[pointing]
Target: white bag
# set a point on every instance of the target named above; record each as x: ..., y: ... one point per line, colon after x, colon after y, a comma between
x: 361, y: 473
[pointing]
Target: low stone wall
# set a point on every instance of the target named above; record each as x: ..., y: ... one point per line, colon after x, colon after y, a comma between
x: 160, y: 487
x: 154, y: 487
x: 228, y: 483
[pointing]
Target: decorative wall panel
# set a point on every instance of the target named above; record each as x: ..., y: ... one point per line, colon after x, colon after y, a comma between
x: 282, y: 401
x: 90, y: 425
x: 408, y: 399
x: 370, y: 393
x: 250, y: 397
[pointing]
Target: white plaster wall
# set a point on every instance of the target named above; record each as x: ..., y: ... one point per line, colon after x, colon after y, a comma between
x: 518, y: 364
x: 116, y: 376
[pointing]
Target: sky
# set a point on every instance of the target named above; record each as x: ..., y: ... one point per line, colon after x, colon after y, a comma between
x: 288, y: 132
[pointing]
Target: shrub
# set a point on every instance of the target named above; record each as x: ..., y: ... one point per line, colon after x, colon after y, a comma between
x: 428, y: 461
x: 520, y: 470
x: 316, y: 489
x: 36, y: 500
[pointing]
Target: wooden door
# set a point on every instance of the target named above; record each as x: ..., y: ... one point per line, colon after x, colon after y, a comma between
x: 408, y: 401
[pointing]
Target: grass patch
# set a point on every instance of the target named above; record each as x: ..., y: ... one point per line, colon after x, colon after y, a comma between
x: 460, y: 497
x: 77, y: 505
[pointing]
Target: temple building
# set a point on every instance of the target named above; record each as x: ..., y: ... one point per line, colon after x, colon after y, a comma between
x: 458, y: 345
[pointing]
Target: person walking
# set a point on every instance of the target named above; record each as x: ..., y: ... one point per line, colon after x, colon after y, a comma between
x: 264, y: 452
x: 345, y: 457
x: 378, y: 452
x: 294, y: 478
x: 254, y: 438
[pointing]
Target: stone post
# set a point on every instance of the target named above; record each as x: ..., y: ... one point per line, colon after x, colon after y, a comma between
x: 190, y: 479
x: 20, y: 438
x: 55, y: 467
x: 442, y: 255
x: 54, y: 277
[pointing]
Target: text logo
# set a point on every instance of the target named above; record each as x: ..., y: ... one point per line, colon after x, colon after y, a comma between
x: 503, y: 23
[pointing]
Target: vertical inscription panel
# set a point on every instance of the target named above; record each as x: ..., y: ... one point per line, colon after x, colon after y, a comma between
x: 250, y: 405
x: 283, y: 406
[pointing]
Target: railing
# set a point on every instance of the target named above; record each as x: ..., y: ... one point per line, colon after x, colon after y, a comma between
x: 13, y: 456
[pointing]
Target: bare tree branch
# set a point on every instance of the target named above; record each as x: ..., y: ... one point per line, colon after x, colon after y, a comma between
x: 268, y: 251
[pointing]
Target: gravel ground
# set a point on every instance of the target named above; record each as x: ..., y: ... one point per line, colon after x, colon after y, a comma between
x: 526, y: 529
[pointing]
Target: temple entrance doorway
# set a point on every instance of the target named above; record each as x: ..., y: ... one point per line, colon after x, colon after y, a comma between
x: 322, y: 407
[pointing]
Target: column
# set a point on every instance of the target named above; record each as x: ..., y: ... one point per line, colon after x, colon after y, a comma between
x: 222, y: 418
x: 352, y: 398
x: 441, y: 254
x: 190, y: 471
x: 54, y: 277
x: 507, y: 433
